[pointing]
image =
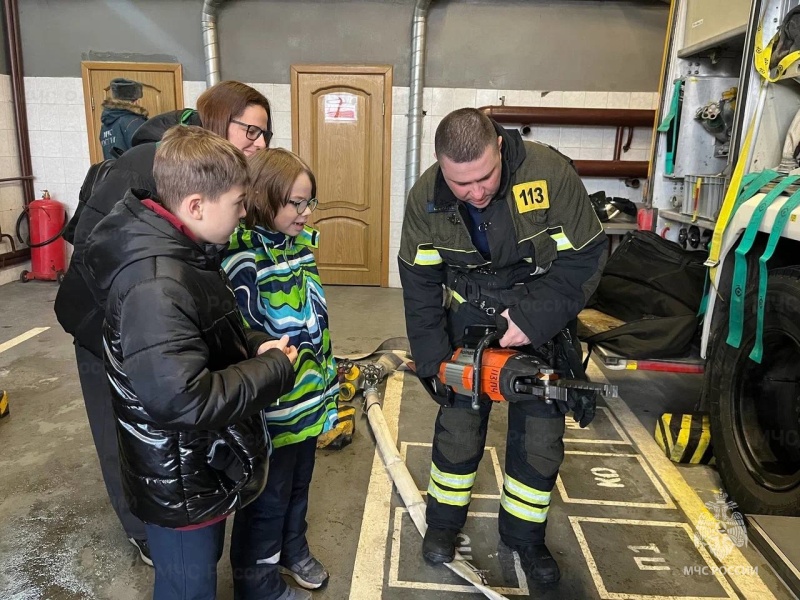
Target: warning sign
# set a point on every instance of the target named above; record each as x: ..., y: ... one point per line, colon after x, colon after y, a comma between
x: 341, y: 108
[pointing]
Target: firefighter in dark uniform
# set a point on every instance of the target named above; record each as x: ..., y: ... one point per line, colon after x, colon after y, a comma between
x: 506, y: 230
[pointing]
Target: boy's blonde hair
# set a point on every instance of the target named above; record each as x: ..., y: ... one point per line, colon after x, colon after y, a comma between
x: 273, y: 172
x: 192, y: 160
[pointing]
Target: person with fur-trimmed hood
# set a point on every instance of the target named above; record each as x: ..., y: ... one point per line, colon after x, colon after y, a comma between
x: 122, y: 116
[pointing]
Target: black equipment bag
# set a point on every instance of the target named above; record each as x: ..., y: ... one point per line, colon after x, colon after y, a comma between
x: 657, y: 288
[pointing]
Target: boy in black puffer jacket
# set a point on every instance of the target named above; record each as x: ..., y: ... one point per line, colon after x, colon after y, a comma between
x: 188, y: 381
x: 76, y: 305
x: 80, y: 315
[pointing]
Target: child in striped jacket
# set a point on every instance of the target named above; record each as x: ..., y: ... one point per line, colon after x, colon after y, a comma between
x: 275, y: 279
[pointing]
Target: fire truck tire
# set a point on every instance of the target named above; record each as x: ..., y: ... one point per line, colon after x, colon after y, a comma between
x: 755, y: 408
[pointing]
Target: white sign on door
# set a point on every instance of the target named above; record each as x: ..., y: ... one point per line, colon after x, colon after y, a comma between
x: 341, y: 108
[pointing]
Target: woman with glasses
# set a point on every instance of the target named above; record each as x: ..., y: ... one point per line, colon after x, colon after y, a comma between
x: 274, y: 275
x: 230, y: 109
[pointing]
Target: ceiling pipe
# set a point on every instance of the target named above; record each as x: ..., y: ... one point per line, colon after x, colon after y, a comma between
x: 210, y: 40
x: 414, y: 143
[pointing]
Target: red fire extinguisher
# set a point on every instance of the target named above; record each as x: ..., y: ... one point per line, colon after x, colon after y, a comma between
x: 47, y: 221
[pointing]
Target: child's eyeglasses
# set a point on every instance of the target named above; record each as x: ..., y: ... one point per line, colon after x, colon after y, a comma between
x: 301, y: 205
x: 253, y: 132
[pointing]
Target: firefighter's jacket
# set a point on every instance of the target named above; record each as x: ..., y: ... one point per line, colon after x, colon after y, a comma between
x: 544, y: 238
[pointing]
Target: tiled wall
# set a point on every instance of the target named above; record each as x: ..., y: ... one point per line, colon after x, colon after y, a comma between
x: 60, y: 151
x: 58, y: 133
x: 57, y: 129
x: 279, y: 96
x: 11, y: 199
x: 579, y: 143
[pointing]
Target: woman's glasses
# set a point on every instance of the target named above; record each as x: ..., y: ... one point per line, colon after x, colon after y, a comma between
x: 253, y: 132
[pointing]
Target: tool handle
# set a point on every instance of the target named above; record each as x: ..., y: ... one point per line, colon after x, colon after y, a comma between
x: 477, y: 361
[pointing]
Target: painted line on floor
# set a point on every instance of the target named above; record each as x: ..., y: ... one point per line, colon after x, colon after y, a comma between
x: 666, y: 504
x: 598, y: 578
x: 22, y: 338
x: 573, y: 426
x: 368, y: 570
x: 394, y: 569
x: 492, y: 450
x: 739, y: 569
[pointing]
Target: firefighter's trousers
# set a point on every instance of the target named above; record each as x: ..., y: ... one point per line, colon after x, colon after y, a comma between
x: 534, y: 453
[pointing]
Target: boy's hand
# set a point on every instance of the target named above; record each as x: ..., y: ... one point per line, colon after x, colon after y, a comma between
x: 279, y: 344
x: 291, y: 353
x: 282, y: 345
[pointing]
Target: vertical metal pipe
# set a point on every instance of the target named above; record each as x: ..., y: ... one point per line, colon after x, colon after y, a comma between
x: 418, y: 38
x: 18, y: 92
x: 618, y: 143
x: 210, y: 41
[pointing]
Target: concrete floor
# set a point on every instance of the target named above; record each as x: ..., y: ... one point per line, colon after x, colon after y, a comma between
x: 59, y: 538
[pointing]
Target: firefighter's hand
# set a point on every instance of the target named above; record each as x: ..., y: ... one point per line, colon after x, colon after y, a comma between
x: 441, y: 393
x: 513, y: 336
x: 583, y: 404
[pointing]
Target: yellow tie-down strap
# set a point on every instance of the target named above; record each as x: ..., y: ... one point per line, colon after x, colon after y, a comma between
x: 763, y: 56
x: 761, y: 59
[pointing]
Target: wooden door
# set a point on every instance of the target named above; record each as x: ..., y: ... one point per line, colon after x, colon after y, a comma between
x: 341, y: 125
x: 162, y: 88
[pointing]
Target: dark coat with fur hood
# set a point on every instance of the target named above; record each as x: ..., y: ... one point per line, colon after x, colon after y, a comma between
x: 120, y: 120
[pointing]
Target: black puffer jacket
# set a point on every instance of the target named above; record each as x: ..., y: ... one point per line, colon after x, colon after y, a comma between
x: 76, y: 308
x: 187, y: 395
x: 154, y: 129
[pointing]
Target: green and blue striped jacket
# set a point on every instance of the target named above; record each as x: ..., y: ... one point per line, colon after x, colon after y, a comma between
x: 278, y: 289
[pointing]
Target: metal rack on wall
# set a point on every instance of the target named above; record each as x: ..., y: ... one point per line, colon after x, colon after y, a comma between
x: 702, y: 74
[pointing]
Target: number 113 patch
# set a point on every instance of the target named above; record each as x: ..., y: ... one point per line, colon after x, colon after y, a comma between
x: 531, y: 195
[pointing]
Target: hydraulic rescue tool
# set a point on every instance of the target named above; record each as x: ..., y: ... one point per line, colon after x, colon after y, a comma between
x: 510, y: 375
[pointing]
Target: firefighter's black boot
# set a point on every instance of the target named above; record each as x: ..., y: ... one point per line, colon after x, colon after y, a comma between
x: 538, y: 564
x: 439, y: 545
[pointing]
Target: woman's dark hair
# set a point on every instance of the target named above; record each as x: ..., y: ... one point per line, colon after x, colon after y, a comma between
x: 227, y: 100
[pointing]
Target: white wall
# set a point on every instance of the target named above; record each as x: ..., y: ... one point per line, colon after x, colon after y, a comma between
x: 579, y: 143
x: 11, y: 196
x: 10, y: 193
x: 60, y: 150
x: 59, y: 143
